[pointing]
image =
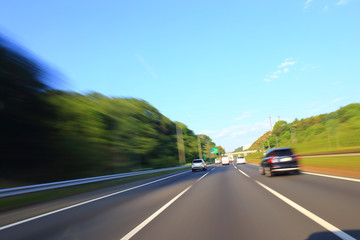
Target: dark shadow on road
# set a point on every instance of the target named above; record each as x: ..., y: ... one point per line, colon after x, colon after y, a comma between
x: 326, y: 235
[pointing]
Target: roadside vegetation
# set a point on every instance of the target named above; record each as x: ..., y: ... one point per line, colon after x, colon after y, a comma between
x: 337, y: 131
x: 350, y: 165
x: 332, y: 133
x: 50, y: 135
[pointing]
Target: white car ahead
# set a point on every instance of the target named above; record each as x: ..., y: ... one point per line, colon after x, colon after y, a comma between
x: 198, y: 164
x: 225, y: 161
x: 240, y: 160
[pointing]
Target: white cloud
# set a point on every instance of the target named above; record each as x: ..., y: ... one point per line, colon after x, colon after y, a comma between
x: 275, y: 75
x: 244, y: 115
x: 284, y: 68
x: 237, y: 130
x: 288, y: 62
x: 337, y: 100
x: 342, y: 2
x: 307, y: 4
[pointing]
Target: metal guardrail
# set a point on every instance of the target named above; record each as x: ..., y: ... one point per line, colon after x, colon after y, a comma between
x: 53, y: 185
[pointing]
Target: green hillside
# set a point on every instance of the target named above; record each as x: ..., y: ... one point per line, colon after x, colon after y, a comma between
x: 337, y: 131
x: 51, y: 135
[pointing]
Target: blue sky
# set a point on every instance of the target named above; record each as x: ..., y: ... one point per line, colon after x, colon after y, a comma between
x: 220, y: 67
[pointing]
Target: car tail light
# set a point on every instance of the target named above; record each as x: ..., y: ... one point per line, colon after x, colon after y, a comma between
x: 297, y: 157
x: 271, y: 160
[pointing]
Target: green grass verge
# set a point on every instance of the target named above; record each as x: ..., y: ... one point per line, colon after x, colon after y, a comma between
x: 253, y: 160
x: 12, y: 202
x: 348, y: 163
x: 348, y: 166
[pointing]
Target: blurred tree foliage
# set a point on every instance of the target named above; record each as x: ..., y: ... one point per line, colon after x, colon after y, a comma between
x: 335, y: 131
x: 49, y: 135
x: 26, y: 138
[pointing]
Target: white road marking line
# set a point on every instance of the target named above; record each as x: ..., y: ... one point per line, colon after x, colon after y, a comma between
x: 332, y: 176
x: 202, y: 177
x: 235, y: 167
x: 326, y: 175
x: 83, y: 203
x: 309, y: 214
x: 244, y: 173
x: 212, y: 169
x: 154, y: 215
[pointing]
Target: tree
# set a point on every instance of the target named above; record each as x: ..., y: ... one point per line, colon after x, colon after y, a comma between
x: 26, y: 137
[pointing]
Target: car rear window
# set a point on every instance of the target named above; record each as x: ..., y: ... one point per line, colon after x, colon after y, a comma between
x: 282, y: 153
x: 197, y: 161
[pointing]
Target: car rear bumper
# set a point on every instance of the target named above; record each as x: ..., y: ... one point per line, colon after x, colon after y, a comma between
x: 285, y: 169
x: 198, y: 168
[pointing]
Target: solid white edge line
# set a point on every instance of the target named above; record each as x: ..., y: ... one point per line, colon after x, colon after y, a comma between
x: 83, y: 203
x: 309, y: 214
x: 202, y: 177
x: 244, y: 173
x: 154, y: 215
x: 332, y: 176
x: 325, y: 175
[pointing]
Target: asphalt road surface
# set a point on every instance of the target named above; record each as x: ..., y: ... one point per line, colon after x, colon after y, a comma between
x: 224, y: 202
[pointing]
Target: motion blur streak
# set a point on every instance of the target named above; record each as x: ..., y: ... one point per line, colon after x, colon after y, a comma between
x: 309, y: 214
x: 52, y: 135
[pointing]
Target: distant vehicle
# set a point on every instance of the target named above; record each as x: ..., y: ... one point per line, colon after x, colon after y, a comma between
x: 198, y: 164
x: 217, y: 161
x: 225, y: 161
x: 279, y: 160
x: 240, y: 160
x: 231, y: 158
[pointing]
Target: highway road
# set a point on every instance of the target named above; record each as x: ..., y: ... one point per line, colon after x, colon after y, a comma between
x: 224, y: 202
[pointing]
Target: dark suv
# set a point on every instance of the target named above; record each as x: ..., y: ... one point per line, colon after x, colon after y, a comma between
x: 279, y: 160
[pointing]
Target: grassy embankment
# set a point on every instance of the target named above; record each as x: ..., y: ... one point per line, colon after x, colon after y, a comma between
x: 348, y: 166
x: 336, y: 132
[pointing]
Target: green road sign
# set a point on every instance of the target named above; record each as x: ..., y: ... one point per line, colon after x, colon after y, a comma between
x: 214, y: 150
